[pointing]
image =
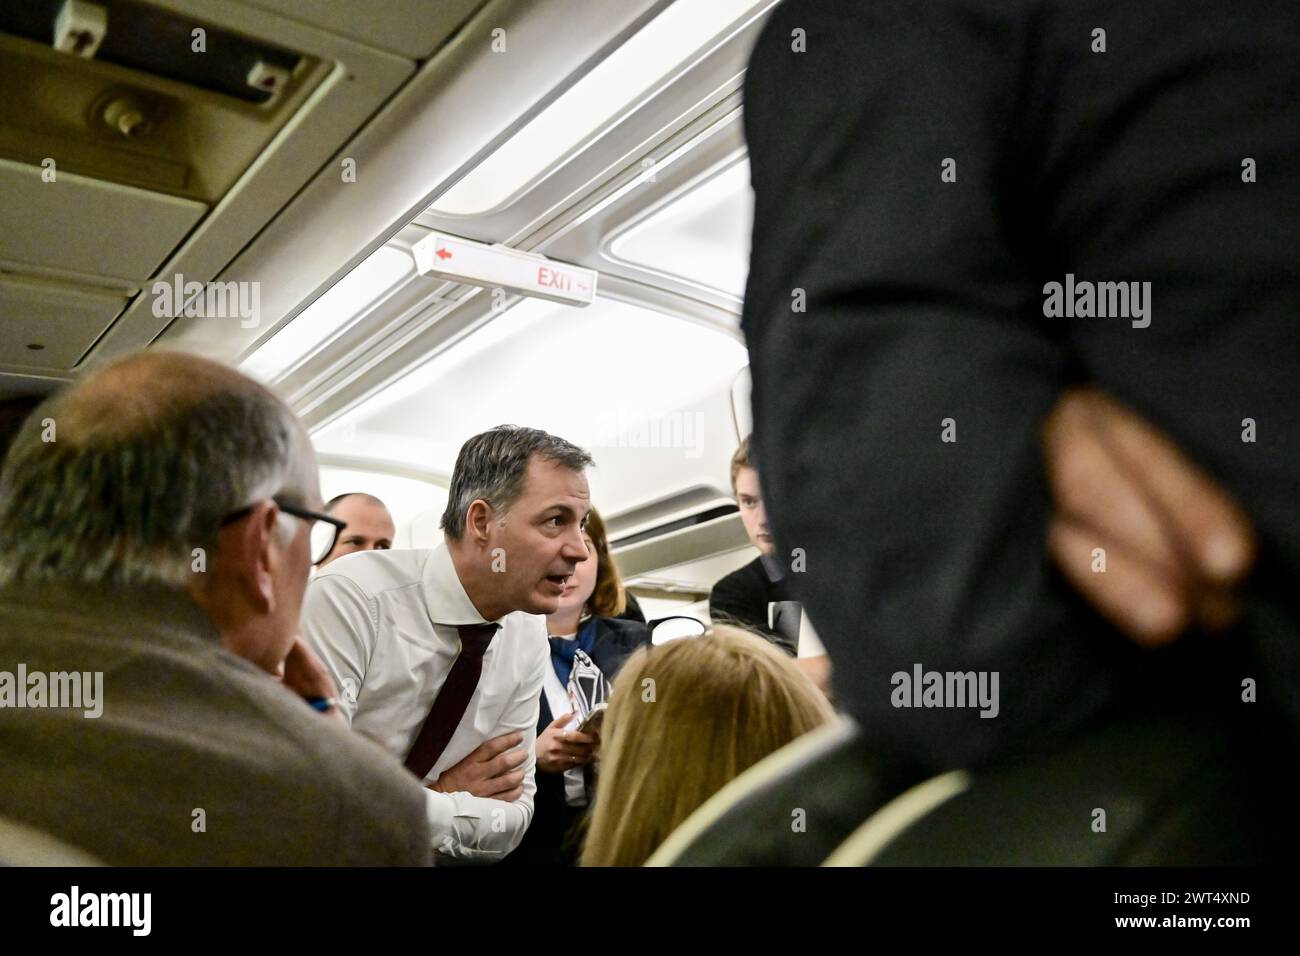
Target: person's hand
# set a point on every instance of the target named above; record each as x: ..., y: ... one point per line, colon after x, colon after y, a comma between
x: 818, y: 670
x: 1176, y: 545
x: 559, y: 749
x: 306, y: 675
x: 494, y: 770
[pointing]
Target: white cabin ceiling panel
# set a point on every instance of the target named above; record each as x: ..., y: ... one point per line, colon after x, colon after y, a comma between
x: 653, y: 455
x: 701, y: 235
x: 89, y: 226
x: 647, y: 393
x: 422, y: 138
x: 712, y: 142
x: 648, y: 59
x: 347, y: 300
x: 702, y: 573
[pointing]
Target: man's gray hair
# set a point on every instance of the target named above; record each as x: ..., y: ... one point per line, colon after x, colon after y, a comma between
x: 492, y: 466
x: 117, y: 480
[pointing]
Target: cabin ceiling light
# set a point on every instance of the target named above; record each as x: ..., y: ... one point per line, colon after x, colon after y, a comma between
x: 652, y: 57
x: 343, y: 304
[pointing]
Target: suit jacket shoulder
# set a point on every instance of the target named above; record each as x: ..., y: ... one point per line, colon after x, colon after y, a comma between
x: 197, y: 757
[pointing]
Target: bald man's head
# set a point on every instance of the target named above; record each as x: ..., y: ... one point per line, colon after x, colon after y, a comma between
x: 369, y: 524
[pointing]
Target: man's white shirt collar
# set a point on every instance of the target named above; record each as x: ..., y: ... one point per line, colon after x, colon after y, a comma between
x: 444, y: 595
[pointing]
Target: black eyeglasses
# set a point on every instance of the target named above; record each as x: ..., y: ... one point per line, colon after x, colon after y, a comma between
x: 324, y: 528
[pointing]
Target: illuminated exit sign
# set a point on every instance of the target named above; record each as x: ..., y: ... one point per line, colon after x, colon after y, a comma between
x: 481, y: 264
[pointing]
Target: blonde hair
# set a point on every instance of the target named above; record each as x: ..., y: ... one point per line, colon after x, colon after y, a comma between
x: 739, y: 460
x: 684, y: 719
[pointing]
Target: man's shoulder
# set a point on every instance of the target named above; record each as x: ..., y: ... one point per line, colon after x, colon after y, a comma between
x: 375, y: 572
x: 179, y: 706
x: 211, y: 695
x: 528, y: 630
x: 303, y: 757
x: 320, y: 759
x: 742, y: 597
x: 745, y: 579
x: 529, y: 645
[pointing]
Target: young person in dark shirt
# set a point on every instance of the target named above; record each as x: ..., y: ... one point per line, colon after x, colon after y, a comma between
x: 743, y: 596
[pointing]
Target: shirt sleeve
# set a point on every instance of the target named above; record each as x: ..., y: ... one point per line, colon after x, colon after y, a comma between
x: 470, y: 829
x: 339, y: 624
x: 810, y: 644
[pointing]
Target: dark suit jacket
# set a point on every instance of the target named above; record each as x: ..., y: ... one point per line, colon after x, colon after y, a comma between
x: 742, y: 598
x: 187, y: 726
x: 883, y: 302
x: 552, y: 838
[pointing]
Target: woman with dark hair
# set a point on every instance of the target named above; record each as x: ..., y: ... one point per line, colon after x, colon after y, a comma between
x: 587, y: 621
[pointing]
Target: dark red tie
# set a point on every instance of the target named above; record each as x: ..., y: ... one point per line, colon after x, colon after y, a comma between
x: 452, y: 700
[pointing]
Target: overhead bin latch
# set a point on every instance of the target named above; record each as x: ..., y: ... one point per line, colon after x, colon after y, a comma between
x: 500, y: 267
x: 80, y: 27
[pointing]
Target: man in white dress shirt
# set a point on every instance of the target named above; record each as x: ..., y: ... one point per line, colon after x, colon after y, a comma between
x: 440, y: 654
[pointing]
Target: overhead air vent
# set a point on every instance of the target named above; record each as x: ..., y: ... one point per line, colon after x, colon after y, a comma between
x: 142, y: 96
x: 690, y: 521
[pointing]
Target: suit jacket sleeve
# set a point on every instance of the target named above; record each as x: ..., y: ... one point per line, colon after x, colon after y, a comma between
x: 382, y: 820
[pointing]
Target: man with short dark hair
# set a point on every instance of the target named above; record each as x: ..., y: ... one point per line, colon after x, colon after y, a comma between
x: 441, y: 653
x: 156, y: 524
x: 367, y: 525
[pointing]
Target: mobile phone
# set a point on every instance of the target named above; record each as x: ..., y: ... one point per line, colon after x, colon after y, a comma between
x: 591, y: 723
